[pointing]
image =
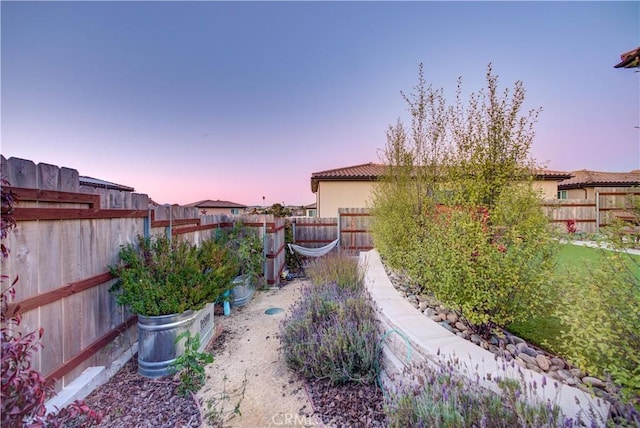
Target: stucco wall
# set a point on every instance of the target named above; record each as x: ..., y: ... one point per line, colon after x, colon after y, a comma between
x: 342, y: 194
x: 549, y: 188
x: 213, y: 211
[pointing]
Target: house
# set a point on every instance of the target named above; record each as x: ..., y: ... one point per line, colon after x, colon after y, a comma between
x: 311, y: 210
x: 209, y: 207
x: 97, y: 183
x: 584, y: 184
x: 352, y: 186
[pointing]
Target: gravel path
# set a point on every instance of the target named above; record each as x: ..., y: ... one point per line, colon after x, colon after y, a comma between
x: 249, y: 373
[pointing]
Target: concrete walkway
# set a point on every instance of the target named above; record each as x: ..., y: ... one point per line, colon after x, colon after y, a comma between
x: 422, y: 340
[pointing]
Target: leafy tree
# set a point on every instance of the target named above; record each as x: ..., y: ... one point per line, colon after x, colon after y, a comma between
x: 457, y: 209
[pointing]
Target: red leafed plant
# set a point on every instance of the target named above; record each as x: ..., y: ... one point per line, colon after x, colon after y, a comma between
x: 24, y: 390
x: 572, y: 226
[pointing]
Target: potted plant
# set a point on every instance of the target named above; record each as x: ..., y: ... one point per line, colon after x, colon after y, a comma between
x: 247, y: 249
x: 171, y: 285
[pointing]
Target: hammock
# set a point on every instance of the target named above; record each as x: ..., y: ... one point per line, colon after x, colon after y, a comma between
x: 313, y: 252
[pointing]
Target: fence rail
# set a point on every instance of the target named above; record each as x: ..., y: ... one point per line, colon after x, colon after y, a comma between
x: 65, y: 238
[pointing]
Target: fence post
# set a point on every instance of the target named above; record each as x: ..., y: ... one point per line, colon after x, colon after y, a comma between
x: 339, y: 228
x: 597, y: 212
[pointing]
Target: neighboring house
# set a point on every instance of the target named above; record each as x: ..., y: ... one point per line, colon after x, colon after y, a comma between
x: 311, y: 210
x: 94, y: 182
x: 352, y: 186
x: 347, y: 187
x: 209, y: 207
x: 584, y: 184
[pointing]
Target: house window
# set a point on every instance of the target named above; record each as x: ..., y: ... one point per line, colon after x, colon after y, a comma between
x: 235, y: 211
x: 562, y: 194
x: 311, y: 213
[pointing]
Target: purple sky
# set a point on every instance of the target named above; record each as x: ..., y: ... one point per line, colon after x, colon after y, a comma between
x: 240, y: 100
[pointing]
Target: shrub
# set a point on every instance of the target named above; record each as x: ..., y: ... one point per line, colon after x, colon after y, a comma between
x: 492, y: 269
x: 158, y: 276
x: 336, y: 268
x: 440, y: 398
x: 246, y: 248
x: 331, y: 333
x: 602, y: 315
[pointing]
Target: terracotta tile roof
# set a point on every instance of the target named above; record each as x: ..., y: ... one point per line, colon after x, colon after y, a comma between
x: 363, y: 172
x: 208, y: 203
x: 586, y: 178
x: 549, y: 174
x: 629, y: 59
x: 372, y: 171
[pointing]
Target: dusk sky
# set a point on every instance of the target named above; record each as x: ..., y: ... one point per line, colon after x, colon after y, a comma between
x: 187, y: 101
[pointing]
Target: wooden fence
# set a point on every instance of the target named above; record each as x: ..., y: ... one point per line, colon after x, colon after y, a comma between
x: 65, y: 238
x: 352, y: 226
x: 591, y: 214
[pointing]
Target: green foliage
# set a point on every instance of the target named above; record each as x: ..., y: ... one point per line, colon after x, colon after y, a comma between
x: 332, y: 332
x: 442, y: 399
x: 491, y: 272
x: 190, y: 365
x: 246, y: 247
x: 457, y: 209
x: 157, y: 276
x: 336, y: 268
x: 602, y: 315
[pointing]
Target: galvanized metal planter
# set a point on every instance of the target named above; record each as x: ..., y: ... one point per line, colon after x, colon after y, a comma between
x: 242, y: 291
x: 157, y: 347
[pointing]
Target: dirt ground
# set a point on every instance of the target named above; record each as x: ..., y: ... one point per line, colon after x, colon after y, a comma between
x: 249, y: 371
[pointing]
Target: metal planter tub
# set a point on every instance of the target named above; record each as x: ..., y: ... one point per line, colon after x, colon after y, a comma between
x: 242, y: 291
x: 157, y: 347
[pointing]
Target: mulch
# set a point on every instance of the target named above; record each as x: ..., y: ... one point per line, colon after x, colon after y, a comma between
x: 130, y: 400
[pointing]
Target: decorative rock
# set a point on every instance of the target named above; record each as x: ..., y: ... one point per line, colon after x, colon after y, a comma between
x: 415, y: 304
x: 423, y: 305
x: 519, y: 362
x: 516, y: 340
x: 446, y: 325
x: 475, y: 339
x: 512, y: 348
x: 452, y: 317
x: 534, y: 367
x: 524, y: 349
x: 528, y: 359
x: 556, y: 361
x: 435, y: 318
x: 460, y: 326
x: 564, y: 374
x: 430, y: 312
x: 442, y: 316
x: 577, y: 373
x: 485, y: 345
x: 543, y: 362
x: 593, y: 381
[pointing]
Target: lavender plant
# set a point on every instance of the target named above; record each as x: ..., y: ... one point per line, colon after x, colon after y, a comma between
x: 439, y: 397
x: 331, y: 332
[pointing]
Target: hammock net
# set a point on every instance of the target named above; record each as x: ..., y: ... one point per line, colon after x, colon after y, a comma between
x: 313, y: 252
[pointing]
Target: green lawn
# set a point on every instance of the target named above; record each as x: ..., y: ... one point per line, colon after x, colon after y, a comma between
x: 545, y: 330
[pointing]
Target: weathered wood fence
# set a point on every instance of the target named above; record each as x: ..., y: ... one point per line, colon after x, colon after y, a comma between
x: 65, y: 238
x: 352, y: 226
x: 591, y: 214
